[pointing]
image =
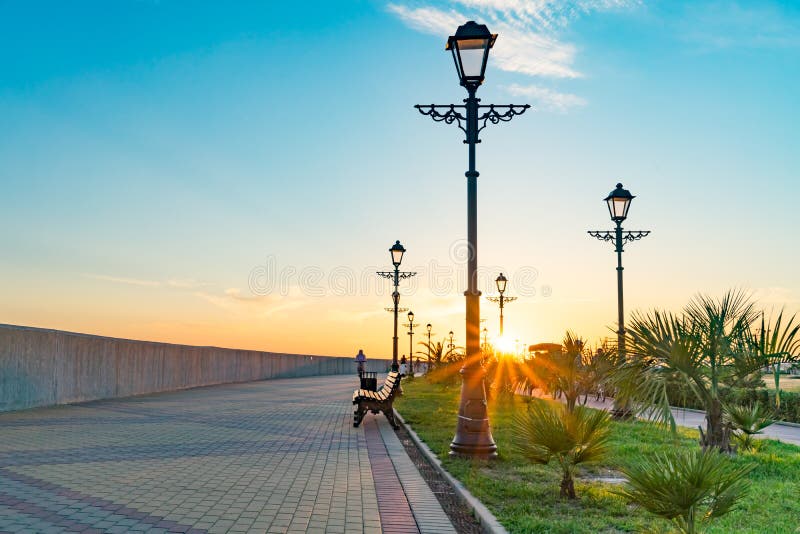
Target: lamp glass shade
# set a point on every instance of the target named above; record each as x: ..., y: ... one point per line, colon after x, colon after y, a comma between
x: 501, y: 282
x: 411, y: 317
x: 470, y: 47
x: 472, y: 56
x: 619, y: 202
x: 397, y: 251
x: 428, y: 326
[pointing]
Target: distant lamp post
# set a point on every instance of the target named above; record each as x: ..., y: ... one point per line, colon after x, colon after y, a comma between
x: 452, y: 344
x: 411, y: 324
x: 502, y: 282
x: 470, y: 48
x: 619, y: 202
x: 428, y: 327
x: 397, y: 252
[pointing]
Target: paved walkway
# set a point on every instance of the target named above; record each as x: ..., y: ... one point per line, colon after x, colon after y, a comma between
x: 271, y: 456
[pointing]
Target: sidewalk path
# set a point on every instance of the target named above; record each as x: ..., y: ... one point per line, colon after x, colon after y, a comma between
x: 693, y: 419
x: 270, y: 456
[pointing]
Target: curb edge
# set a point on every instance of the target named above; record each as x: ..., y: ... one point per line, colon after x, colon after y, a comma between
x: 487, y: 520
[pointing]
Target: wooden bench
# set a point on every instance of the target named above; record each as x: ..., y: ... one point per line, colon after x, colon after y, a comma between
x: 377, y: 401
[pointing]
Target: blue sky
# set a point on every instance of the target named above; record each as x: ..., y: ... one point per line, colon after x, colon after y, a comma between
x: 155, y: 155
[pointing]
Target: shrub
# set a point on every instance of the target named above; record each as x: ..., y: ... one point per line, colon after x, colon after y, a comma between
x: 689, y: 488
x: 550, y: 431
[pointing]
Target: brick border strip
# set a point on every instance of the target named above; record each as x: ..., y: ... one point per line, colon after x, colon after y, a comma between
x: 393, y: 505
x: 486, y: 518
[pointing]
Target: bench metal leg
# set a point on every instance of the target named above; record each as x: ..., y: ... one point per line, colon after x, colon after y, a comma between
x: 389, y: 413
x: 358, y: 415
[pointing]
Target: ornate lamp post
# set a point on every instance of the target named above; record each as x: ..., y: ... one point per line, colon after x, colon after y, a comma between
x: 411, y: 324
x: 619, y: 202
x: 452, y: 344
x: 501, y: 282
x: 470, y: 48
x: 397, y: 252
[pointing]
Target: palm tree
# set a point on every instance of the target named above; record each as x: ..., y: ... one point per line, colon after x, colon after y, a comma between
x: 689, y: 488
x: 549, y: 431
x: 778, y: 343
x: 566, y: 370
x: 444, y: 361
x: 706, y: 346
x: 434, y: 350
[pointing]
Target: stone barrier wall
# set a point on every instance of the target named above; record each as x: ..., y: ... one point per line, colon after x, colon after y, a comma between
x: 40, y: 367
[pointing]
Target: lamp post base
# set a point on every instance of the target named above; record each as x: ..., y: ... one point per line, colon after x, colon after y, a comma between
x: 473, y: 437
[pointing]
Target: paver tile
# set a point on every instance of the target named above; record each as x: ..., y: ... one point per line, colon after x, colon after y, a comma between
x: 275, y: 455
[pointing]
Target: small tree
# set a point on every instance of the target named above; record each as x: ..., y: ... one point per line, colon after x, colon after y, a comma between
x: 778, y: 342
x: 705, y: 347
x: 549, y: 431
x: 748, y: 421
x: 445, y: 362
x: 689, y: 488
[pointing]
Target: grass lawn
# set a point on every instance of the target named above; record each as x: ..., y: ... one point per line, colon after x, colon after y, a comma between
x: 788, y: 382
x: 524, y: 497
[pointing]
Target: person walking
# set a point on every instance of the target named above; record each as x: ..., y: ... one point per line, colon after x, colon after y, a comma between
x: 403, y: 365
x: 361, y: 362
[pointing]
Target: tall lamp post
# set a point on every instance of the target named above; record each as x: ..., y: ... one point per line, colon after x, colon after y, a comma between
x: 411, y: 324
x: 452, y: 344
x: 501, y: 282
x: 470, y: 48
x: 428, y: 327
x: 397, y: 252
x: 619, y: 202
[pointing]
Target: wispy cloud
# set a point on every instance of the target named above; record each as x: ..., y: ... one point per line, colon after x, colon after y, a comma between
x: 177, y: 283
x: 187, y: 283
x: 548, y: 14
x: 234, y: 301
x: 520, y: 50
x: 123, y: 280
x: 530, y: 42
x: 547, y: 99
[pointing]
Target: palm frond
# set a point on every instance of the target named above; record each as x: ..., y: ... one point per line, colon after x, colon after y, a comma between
x: 686, y: 487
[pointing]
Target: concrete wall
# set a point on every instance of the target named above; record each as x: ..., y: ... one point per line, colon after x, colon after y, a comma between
x: 41, y: 367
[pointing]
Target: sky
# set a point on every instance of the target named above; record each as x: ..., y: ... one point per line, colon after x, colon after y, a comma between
x: 234, y: 173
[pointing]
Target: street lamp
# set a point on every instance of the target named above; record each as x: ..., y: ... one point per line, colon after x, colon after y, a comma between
x: 411, y: 324
x: 470, y: 48
x: 452, y: 345
x: 397, y: 252
x: 501, y: 282
x: 619, y: 202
